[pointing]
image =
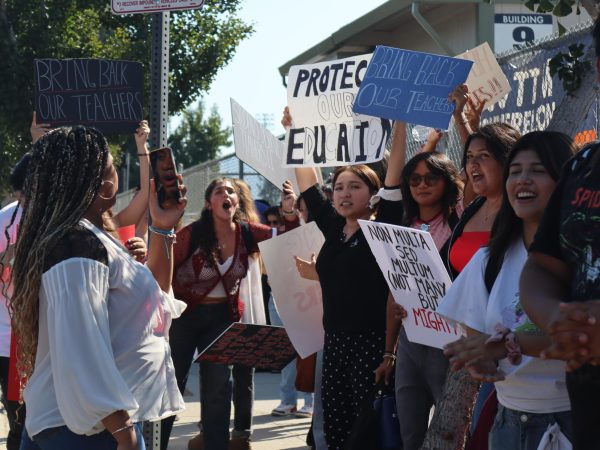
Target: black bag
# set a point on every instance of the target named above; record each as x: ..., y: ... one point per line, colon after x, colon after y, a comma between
x: 368, y: 430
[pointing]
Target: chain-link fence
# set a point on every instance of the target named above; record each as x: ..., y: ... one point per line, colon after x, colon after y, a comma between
x: 529, y: 106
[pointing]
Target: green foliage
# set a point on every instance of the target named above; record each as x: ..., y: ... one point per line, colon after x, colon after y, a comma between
x: 199, y: 138
x: 570, y: 67
x: 558, y: 8
x: 201, y: 42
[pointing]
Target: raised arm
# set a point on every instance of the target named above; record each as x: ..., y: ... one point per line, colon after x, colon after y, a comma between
x: 306, y: 176
x: 397, y: 155
x: 133, y: 212
x: 460, y: 96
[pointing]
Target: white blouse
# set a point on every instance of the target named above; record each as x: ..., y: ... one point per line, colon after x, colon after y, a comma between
x: 103, y: 344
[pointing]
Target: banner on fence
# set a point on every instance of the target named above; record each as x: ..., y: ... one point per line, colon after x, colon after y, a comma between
x: 298, y: 300
x: 105, y: 94
x: 410, y: 86
x: 326, y: 132
x: 486, y: 80
x: 261, y: 346
x: 417, y: 279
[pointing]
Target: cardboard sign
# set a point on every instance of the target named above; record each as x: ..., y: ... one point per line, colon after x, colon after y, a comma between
x: 260, y: 346
x: 486, y: 80
x: 417, y: 279
x: 257, y: 147
x: 105, y: 94
x: 411, y: 86
x: 299, y: 301
x: 326, y: 131
x: 150, y: 6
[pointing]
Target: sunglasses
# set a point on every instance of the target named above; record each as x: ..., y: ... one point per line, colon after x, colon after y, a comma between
x: 430, y: 179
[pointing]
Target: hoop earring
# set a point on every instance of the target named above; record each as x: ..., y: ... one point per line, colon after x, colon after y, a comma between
x: 102, y: 184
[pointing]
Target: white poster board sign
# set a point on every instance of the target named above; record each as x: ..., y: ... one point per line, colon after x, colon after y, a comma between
x: 486, y: 80
x: 298, y: 300
x: 326, y: 132
x: 416, y: 277
x: 257, y: 147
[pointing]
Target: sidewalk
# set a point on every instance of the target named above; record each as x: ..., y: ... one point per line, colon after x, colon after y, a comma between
x: 270, y: 433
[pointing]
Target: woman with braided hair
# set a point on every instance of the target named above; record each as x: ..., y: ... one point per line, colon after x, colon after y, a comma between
x: 92, y: 322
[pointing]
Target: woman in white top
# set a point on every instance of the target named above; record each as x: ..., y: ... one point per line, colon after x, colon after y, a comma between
x: 502, y: 345
x: 92, y: 322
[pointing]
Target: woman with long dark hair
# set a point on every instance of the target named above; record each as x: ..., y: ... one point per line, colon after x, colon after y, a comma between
x: 502, y: 344
x: 91, y: 321
x: 210, y: 260
x: 354, y: 289
x: 431, y: 199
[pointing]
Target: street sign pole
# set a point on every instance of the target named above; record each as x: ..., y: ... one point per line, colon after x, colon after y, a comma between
x: 159, y: 90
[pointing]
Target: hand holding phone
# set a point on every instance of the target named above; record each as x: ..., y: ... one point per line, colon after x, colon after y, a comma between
x: 165, y: 177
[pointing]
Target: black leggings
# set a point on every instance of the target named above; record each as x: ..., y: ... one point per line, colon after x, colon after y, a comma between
x: 584, y: 392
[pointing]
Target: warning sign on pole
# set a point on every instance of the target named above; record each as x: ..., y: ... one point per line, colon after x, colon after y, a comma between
x: 152, y: 6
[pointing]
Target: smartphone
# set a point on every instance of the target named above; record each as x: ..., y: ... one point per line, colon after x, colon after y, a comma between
x: 165, y: 177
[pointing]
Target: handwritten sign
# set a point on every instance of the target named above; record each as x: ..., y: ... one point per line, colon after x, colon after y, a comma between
x: 486, y: 80
x: 417, y: 279
x: 260, y: 346
x: 411, y: 86
x: 257, y: 147
x: 105, y: 94
x: 298, y: 300
x: 326, y: 131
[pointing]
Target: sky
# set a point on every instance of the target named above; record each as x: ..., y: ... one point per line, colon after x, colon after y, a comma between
x: 283, y: 30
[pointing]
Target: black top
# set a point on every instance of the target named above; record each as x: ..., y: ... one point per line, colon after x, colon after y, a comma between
x: 78, y: 242
x: 570, y: 227
x: 354, y: 289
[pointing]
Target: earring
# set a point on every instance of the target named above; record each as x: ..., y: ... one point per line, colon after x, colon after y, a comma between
x: 102, y: 184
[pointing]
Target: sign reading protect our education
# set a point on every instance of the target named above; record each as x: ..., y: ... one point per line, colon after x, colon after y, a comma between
x: 410, y: 86
x: 105, y: 94
x: 416, y: 277
x: 257, y: 147
x: 299, y: 301
x: 486, y: 80
x: 261, y: 346
x: 151, y: 6
x: 326, y: 132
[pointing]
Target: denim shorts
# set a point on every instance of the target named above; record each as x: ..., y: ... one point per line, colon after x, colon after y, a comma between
x: 518, y: 430
x: 61, y: 438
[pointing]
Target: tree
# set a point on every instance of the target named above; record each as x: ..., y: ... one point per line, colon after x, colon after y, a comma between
x: 201, y: 42
x: 199, y: 138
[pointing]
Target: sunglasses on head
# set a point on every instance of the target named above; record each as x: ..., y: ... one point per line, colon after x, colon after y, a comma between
x: 430, y: 179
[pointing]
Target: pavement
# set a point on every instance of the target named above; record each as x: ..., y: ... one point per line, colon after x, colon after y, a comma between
x: 269, y: 433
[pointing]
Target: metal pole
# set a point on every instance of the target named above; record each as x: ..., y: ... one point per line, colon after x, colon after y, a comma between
x: 159, y: 115
x: 159, y: 90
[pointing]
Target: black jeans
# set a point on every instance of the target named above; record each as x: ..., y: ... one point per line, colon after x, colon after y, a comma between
x: 14, y: 411
x: 197, y: 329
x: 584, y: 392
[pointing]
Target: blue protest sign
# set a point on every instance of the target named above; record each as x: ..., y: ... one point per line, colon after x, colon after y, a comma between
x: 410, y: 86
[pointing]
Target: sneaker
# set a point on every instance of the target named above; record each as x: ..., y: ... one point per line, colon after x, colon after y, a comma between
x: 284, y: 410
x: 305, y: 412
x: 196, y: 443
x: 239, y: 443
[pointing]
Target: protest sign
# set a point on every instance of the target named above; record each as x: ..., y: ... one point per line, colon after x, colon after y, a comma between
x: 486, y: 80
x: 257, y: 147
x: 411, y: 86
x: 298, y: 300
x: 326, y: 132
x: 105, y: 94
x: 260, y: 346
x: 417, y: 279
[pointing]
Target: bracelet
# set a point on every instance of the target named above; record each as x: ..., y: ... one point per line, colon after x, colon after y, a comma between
x: 513, y: 348
x: 389, y: 355
x: 143, y: 154
x: 169, y: 238
x: 288, y: 213
x: 126, y: 427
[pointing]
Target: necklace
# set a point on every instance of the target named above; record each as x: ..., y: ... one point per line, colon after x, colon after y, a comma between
x: 424, y: 225
x: 487, y: 213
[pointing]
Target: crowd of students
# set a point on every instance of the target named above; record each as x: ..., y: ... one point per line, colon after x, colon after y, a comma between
x: 107, y: 330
